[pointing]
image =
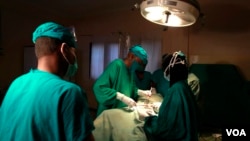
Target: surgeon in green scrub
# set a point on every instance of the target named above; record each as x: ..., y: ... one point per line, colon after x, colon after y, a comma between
x: 41, y: 105
x: 177, y: 119
x: 115, y: 88
x: 143, y: 78
x: 160, y: 84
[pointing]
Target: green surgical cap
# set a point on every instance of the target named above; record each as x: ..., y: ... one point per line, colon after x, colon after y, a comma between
x: 54, y: 30
x: 138, y: 51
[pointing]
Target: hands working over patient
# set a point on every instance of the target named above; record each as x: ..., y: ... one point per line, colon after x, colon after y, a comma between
x: 144, y: 92
x: 125, y: 99
x: 129, y: 101
x: 146, y: 110
x: 148, y: 103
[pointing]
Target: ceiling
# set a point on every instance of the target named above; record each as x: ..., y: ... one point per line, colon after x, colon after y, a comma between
x: 220, y: 15
x: 73, y: 9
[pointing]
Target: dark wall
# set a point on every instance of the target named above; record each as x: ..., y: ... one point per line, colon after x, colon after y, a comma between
x: 224, y: 95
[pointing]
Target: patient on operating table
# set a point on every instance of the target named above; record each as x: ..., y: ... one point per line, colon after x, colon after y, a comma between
x: 126, y: 124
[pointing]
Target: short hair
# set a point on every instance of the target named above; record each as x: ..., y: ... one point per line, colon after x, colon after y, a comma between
x: 45, y: 46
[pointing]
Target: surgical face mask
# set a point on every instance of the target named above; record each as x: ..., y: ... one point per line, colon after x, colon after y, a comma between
x: 135, y: 66
x: 167, y: 77
x: 72, y: 69
x: 140, y: 68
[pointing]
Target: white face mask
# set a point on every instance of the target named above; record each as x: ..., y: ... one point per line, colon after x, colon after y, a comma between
x: 167, y: 77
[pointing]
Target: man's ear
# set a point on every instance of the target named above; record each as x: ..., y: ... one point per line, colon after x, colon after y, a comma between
x: 131, y: 56
x: 65, y: 50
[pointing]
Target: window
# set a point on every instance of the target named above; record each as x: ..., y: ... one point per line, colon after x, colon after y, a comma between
x: 153, y: 49
x: 103, y: 52
x: 101, y: 55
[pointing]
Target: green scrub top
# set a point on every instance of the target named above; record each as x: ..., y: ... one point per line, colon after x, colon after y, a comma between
x: 115, y: 78
x: 41, y: 106
x: 161, y: 84
x: 177, y: 118
x: 145, y: 83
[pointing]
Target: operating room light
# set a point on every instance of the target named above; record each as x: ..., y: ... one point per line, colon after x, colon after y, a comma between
x: 176, y: 13
x: 155, y: 16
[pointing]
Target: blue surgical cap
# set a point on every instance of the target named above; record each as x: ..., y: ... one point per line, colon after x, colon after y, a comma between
x: 54, y: 30
x: 138, y: 51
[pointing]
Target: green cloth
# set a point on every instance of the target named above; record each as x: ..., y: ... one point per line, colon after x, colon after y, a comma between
x: 161, y: 84
x: 115, y: 78
x: 54, y: 30
x: 41, y: 106
x: 177, y: 118
x: 140, y: 52
x: 145, y: 83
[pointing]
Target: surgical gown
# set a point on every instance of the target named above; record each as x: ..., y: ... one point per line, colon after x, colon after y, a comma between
x: 145, y: 83
x: 177, y: 118
x: 42, y: 106
x: 161, y: 83
x: 115, y: 78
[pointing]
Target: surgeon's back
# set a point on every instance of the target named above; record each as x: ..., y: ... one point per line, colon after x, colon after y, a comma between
x: 41, y: 106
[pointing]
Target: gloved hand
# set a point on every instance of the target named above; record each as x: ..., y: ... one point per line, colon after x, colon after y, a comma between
x: 144, y: 92
x: 145, y: 112
x: 127, y: 100
x: 153, y: 90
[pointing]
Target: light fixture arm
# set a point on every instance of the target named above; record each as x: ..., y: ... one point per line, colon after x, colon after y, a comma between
x: 167, y: 16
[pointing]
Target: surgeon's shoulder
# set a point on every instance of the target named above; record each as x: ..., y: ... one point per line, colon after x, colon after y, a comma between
x: 157, y: 72
x: 73, y: 91
x: 73, y: 86
x: 147, y: 73
x: 179, y: 85
x: 117, y: 63
x: 66, y: 87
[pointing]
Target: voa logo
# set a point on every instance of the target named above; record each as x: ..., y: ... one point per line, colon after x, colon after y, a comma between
x: 236, y: 132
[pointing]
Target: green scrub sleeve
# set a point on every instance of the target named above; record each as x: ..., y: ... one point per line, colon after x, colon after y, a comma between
x: 109, y: 83
x: 77, y: 120
x: 135, y: 95
x: 104, y: 92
